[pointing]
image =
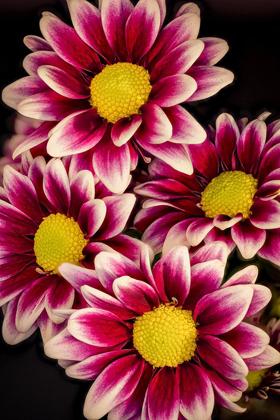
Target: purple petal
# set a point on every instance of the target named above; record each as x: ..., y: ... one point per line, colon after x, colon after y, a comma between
x: 214, y: 50
x: 48, y: 328
x: 250, y: 145
x: 247, y: 340
x: 176, y: 236
x: 222, y: 301
x: 164, y: 401
x: 221, y: 357
x: 38, y: 136
x: 227, y: 135
x: 269, y: 190
x: 136, y: 295
x: 77, y: 133
x: 222, y: 399
x: 115, y: 384
x: 270, y: 249
x: 15, y: 285
x: 172, y: 275
x: 201, y: 155
x: 197, y: 397
x: 79, y: 276
x: 155, y: 128
x: 248, y: 275
x: 13, y: 94
x: 248, y: 238
x: 127, y: 246
x: 269, y: 163
x: 11, y: 265
x: 98, y: 327
x: 269, y: 357
x: 213, y: 251
x: 124, y: 129
x: 146, y: 15
x: 60, y: 296
x: 56, y: 186
x: 112, y: 165
x: 35, y: 43
x: 82, y: 190
x: 173, y: 90
x: 91, y: 217
x: 209, y: 81
x: 265, y: 214
x: 223, y: 221
x: 198, y: 229
x: 16, y: 219
x: 261, y: 297
x: 33, y: 61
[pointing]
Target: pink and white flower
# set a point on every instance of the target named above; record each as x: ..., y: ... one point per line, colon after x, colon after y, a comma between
x: 114, y: 83
x: 233, y: 195
x: 46, y: 219
x: 173, y: 324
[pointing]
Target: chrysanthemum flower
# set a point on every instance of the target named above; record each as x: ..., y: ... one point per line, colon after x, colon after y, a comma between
x: 164, y: 343
x: 233, y: 195
x: 46, y: 220
x: 118, y: 77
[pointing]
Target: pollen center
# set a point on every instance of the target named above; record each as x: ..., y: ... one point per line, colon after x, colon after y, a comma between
x: 255, y: 378
x: 229, y: 193
x: 120, y: 90
x: 165, y: 336
x: 58, y: 239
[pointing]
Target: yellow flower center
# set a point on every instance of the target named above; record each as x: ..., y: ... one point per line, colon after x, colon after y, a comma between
x: 165, y: 336
x: 120, y: 90
x: 58, y: 239
x: 229, y: 193
x: 255, y: 378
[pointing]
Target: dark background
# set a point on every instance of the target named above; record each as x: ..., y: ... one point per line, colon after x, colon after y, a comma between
x: 32, y: 387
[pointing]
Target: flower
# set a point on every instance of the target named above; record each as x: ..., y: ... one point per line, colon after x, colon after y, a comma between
x: 233, y: 195
x: 46, y: 219
x: 105, y: 84
x: 175, y: 325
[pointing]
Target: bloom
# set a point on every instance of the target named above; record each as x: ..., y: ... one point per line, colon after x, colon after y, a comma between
x: 46, y: 219
x: 105, y: 84
x: 233, y: 195
x: 172, y: 324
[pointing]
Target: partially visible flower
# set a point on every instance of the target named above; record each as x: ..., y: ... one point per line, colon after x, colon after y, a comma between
x: 233, y: 195
x: 114, y: 83
x: 164, y: 343
x: 23, y: 127
x: 46, y: 220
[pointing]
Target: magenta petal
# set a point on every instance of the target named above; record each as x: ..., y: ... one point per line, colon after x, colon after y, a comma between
x: 35, y: 43
x: 270, y: 189
x: 223, y: 221
x: 248, y: 275
x: 114, y: 16
x: 176, y: 236
x: 86, y: 19
x: 185, y: 128
x: 173, y: 90
x: 100, y: 300
x: 222, y: 399
x: 269, y: 163
x: 12, y: 242
x: 269, y: 357
x: 124, y: 129
x: 265, y: 214
x: 198, y: 229
x: 79, y: 276
x: 37, y: 137
x: 56, y: 186
x: 112, y: 165
x: 261, y: 297
x: 155, y: 128
x: 221, y: 357
x: 227, y: 135
x: 17, y: 219
x: 250, y: 145
x: 91, y: 217
x: 91, y: 367
x: 22, y: 193
x: 214, y: 50
x: 213, y: 251
x: 33, y: 61
x: 201, y: 155
x: 222, y: 301
x: 247, y: 340
x: 248, y: 238
x: 82, y: 190
x: 172, y: 275
x: 164, y: 401
x: 11, y: 265
x: 270, y: 249
x: 113, y: 386
x: 109, y: 266
x: 136, y: 295
x: 146, y: 15
x: 10, y: 333
x: 209, y: 81
x: 127, y: 246
x: 98, y: 327
x: 13, y: 94
x: 60, y: 296
x: 77, y: 133
x: 15, y: 285
x: 48, y: 328
x: 31, y: 303
x: 197, y: 397
x: 67, y: 44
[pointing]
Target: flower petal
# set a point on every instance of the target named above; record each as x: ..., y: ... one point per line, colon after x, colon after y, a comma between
x: 265, y: 214
x: 248, y: 275
x: 173, y: 90
x: 124, y: 129
x: 91, y: 216
x: 155, y: 128
x: 270, y: 249
x: 201, y: 155
x: 269, y: 357
x: 82, y: 190
x: 214, y: 50
x: 79, y: 276
x: 227, y: 134
x: 60, y: 296
x: 261, y: 297
x: 248, y: 238
x: 213, y: 251
x: 13, y: 94
x: 198, y: 229
x: 250, y: 145
x: 56, y: 186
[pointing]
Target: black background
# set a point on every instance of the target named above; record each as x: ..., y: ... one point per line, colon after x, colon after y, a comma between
x: 32, y: 387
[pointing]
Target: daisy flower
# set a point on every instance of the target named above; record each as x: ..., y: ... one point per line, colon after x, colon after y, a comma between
x: 114, y: 82
x: 46, y: 220
x: 172, y: 324
x: 233, y: 195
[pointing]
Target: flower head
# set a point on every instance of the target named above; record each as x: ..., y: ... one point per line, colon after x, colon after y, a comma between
x: 233, y: 195
x: 47, y: 219
x: 114, y: 83
x: 173, y: 324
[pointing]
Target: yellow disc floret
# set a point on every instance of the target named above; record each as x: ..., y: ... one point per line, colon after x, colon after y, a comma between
x: 120, y: 90
x: 59, y: 239
x: 165, y: 336
x: 229, y: 193
x: 255, y: 378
